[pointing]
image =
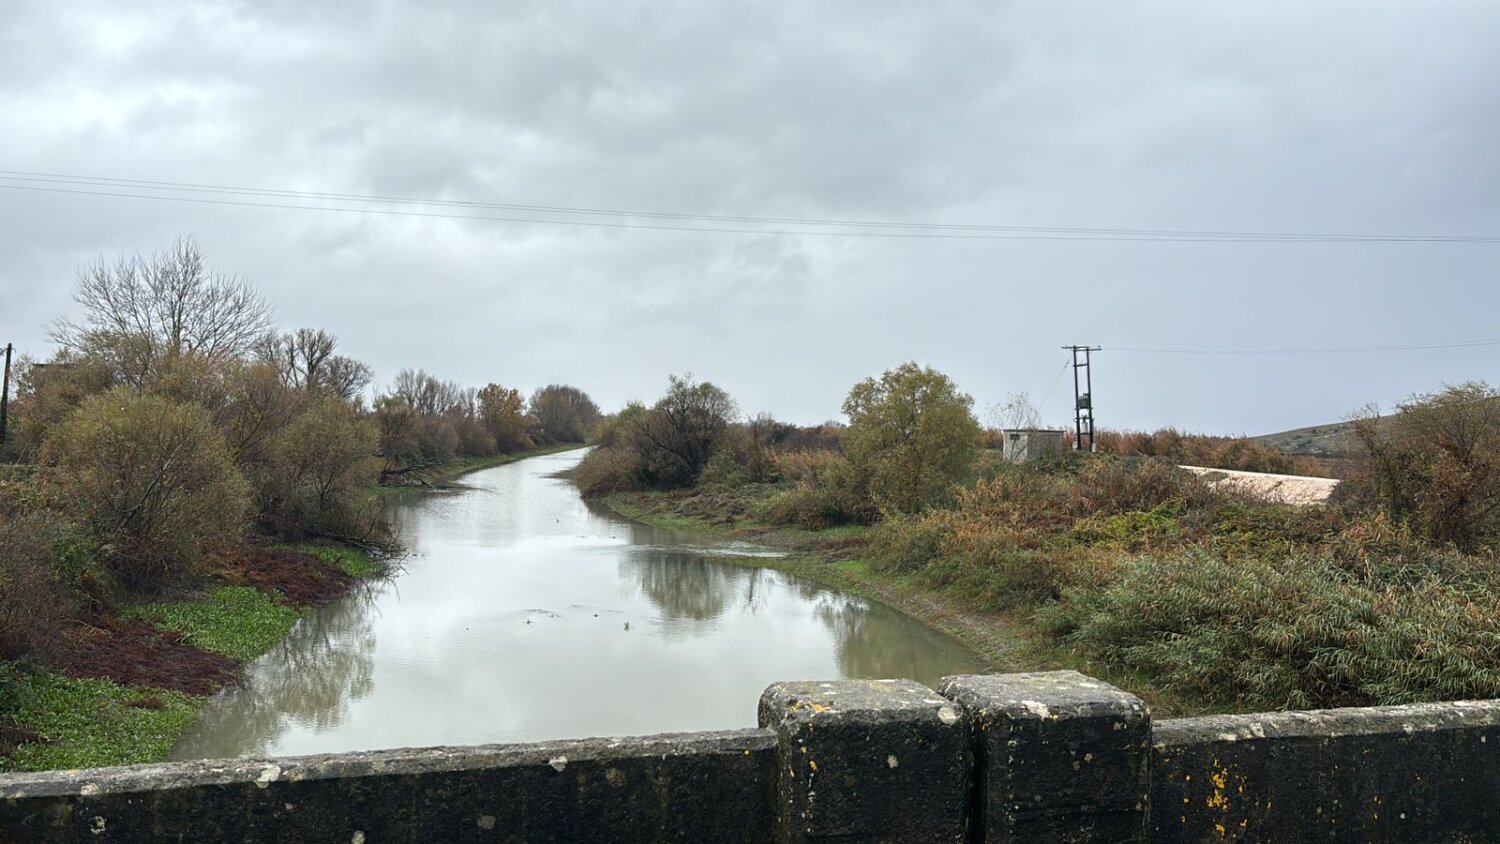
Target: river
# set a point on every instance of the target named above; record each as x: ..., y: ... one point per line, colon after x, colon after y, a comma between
x: 524, y: 613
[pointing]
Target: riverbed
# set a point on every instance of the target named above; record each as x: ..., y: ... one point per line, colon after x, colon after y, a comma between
x: 522, y: 613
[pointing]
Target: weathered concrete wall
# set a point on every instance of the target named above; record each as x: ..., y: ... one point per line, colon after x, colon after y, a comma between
x: 692, y: 788
x: 1061, y: 756
x: 869, y: 760
x: 1049, y: 756
x: 1426, y: 772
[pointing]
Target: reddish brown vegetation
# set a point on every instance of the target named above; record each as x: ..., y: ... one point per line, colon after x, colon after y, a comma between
x: 298, y: 579
x: 13, y: 735
x: 1213, y: 452
x: 149, y: 702
x: 134, y: 653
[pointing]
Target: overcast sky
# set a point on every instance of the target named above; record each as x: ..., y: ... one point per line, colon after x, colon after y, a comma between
x: 1327, y: 117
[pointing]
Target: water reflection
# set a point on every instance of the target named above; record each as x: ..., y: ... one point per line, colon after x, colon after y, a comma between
x: 308, y: 680
x: 689, y: 586
x: 524, y: 614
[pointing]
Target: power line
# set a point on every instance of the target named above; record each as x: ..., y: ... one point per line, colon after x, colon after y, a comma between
x: 132, y: 189
x: 611, y: 225
x: 1463, y: 344
x: 1055, y: 382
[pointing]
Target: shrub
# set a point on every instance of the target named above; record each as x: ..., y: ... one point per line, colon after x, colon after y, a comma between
x: 1131, y: 531
x: 672, y: 443
x: 1436, y: 464
x: 682, y: 431
x: 320, y: 469
x: 741, y: 457
x: 912, y: 437
x: 906, y: 544
x: 976, y: 558
x: 1300, y: 633
x: 35, y: 601
x: 805, y: 465
x: 47, y: 393
x: 992, y: 572
x: 1264, y: 528
x: 151, y: 478
x: 607, y: 469
x: 1109, y: 486
x: 816, y: 506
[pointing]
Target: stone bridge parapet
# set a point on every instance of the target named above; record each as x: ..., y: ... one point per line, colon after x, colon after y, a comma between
x: 1047, y: 756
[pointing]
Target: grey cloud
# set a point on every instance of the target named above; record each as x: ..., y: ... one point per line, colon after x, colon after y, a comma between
x: 1281, y: 116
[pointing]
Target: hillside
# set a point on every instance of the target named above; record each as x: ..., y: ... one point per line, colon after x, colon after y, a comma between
x: 1335, y: 439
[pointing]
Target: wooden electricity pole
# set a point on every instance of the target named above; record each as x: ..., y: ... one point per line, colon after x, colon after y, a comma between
x: 5, y: 395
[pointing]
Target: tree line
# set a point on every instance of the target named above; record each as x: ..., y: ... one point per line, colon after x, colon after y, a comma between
x: 175, y: 419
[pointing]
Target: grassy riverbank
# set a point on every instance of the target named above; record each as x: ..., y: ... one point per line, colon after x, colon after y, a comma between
x: 455, y: 469
x: 130, y: 684
x: 834, y: 557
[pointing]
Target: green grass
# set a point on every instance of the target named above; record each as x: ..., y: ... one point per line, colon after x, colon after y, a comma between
x: 86, y: 723
x: 237, y: 621
x: 353, y: 561
x: 660, y: 509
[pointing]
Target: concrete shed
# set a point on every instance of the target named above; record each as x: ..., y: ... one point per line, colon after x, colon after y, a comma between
x: 1022, y: 445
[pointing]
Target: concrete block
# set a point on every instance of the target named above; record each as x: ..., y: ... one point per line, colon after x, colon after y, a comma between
x: 1059, y: 756
x: 868, y: 761
x: 684, y: 788
x: 1420, y: 772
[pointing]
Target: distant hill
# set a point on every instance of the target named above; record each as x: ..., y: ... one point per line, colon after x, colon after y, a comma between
x: 1332, y: 440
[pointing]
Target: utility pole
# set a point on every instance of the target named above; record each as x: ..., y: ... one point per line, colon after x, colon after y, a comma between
x: 1083, y: 395
x: 5, y: 396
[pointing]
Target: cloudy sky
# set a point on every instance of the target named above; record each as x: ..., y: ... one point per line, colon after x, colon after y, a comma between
x: 1291, y: 117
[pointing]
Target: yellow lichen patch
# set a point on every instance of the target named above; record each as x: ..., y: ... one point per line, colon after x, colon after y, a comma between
x: 813, y: 765
x: 1220, y: 779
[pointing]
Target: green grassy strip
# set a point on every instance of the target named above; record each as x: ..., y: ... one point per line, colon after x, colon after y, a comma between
x: 353, y: 561
x: 88, y: 724
x: 238, y: 621
x: 654, y: 508
x: 464, y: 465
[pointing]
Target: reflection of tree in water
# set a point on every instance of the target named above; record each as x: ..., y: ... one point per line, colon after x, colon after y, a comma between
x: 878, y: 643
x: 308, y: 679
x: 686, y: 586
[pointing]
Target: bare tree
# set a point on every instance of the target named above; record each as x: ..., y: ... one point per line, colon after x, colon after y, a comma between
x: 139, y: 312
x: 1016, y: 413
x: 428, y: 395
x: 306, y: 360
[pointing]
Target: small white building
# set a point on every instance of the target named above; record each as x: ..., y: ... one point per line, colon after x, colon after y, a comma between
x: 1022, y: 445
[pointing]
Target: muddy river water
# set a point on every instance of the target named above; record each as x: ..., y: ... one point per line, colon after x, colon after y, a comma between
x: 524, y: 614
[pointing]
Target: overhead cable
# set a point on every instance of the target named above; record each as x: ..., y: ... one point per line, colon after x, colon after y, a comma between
x: 675, y: 221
